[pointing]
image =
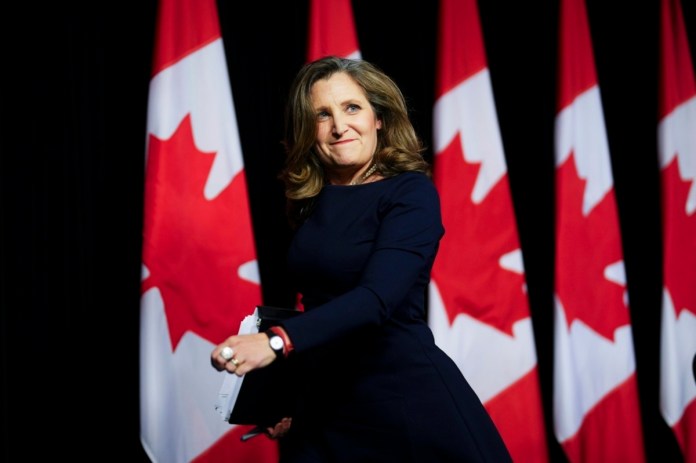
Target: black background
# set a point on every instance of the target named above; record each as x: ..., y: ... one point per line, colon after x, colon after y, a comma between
x: 74, y: 104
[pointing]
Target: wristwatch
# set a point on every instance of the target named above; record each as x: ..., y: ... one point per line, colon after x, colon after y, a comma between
x: 276, y: 342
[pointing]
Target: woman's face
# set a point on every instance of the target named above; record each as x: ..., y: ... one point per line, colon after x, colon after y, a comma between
x: 346, y: 127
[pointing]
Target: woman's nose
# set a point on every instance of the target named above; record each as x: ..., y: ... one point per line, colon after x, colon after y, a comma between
x: 339, y: 127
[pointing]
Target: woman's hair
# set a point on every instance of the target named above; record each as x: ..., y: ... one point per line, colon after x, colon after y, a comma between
x: 398, y: 147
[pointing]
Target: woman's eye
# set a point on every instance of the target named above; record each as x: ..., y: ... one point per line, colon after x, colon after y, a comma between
x: 322, y: 115
x: 352, y: 108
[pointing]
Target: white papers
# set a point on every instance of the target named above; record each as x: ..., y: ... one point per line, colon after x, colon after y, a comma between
x: 229, y: 391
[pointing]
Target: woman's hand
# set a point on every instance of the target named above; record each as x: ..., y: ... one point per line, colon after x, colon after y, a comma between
x: 280, y: 429
x: 242, y: 354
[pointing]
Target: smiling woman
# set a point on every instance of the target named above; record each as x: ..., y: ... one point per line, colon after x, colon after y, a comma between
x: 360, y: 315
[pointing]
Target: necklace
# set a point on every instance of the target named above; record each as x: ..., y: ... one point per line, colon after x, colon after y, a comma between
x: 365, y: 176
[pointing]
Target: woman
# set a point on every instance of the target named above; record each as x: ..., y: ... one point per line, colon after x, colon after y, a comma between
x: 374, y: 386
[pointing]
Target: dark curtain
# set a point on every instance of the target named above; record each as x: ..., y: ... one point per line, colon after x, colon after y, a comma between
x: 74, y: 102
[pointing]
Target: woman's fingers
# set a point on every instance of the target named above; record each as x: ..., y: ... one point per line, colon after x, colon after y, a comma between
x: 280, y: 429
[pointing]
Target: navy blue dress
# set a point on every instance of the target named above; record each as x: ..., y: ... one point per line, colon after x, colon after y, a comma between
x: 372, y: 385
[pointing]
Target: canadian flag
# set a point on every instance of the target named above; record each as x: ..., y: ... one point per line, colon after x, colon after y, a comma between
x: 478, y: 306
x: 596, y: 409
x: 331, y: 30
x: 200, y: 276
x: 677, y: 153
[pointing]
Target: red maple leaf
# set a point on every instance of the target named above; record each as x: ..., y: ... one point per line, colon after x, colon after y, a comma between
x: 585, y: 247
x: 679, y: 239
x: 467, y: 268
x: 193, y: 247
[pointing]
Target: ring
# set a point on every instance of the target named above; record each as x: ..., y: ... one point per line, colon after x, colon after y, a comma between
x: 235, y: 361
x: 227, y: 352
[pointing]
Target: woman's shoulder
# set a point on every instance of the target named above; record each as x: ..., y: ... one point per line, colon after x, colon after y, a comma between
x: 412, y: 199
x: 413, y: 188
x: 412, y: 181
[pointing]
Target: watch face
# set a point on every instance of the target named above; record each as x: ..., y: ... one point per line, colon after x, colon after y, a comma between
x: 276, y: 343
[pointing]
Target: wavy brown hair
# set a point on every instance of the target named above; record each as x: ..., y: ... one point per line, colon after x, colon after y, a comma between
x: 399, y: 149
